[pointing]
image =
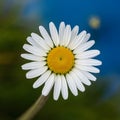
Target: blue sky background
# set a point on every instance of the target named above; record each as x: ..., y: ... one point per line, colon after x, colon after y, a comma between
x: 79, y: 12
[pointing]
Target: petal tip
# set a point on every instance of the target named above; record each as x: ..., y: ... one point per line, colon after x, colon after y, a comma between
x: 44, y: 94
x: 55, y: 98
x: 62, y: 22
x: 51, y: 23
x: 100, y: 63
x: 83, y: 90
x: 41, y: 27
x: 35, y: 86
x: 21, y: 55
x: 28, y: 76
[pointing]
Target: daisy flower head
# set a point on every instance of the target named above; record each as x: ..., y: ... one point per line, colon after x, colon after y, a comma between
x: 61, y: 60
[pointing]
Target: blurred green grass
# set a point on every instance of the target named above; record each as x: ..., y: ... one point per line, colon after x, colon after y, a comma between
x: 17, y: 94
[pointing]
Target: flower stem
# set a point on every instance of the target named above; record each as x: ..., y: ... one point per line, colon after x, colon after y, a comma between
x: 34, y: 109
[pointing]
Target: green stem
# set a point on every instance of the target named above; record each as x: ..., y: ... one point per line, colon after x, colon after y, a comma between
x: 34, y: 109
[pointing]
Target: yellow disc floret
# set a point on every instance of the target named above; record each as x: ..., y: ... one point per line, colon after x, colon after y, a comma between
x: 60, y: 60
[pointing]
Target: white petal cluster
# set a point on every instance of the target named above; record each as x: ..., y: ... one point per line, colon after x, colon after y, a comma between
x: 78, y: 43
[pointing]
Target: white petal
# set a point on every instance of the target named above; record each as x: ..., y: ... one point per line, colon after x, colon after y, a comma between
x: 89, y: 76
x: 72, y: 85
x: 88, y: 68
x: 66, y: 35
x: 33, y: 65
x: 82, y: 77
x: 40, y: 41
x: 54, y: 33
x: 88, y: 54
x: 42, y: 79
x: 61, y: 32
x: 86, y: 38
x: 32, y: 42
x: 32, y: 57
x: 64, y: 88
x: 36, y: 72
x: 57, y: 87
x: 46, y: 36
x: 84, y: 47
x: 74, y: 32
x: 77, y: 41
x: 48, y: 85
x: 34, y: 50
x: 88, y: 62
x: 79, y: 84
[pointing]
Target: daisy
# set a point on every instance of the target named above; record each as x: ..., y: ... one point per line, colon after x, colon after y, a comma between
x: 60, y: 60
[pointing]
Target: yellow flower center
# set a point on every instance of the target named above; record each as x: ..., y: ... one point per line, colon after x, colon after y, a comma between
x: 60, y: 60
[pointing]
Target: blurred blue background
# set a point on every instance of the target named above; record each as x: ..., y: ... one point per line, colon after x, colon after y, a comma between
x: 19, y: 18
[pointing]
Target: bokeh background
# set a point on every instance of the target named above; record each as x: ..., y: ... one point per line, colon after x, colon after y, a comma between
x: 18, y: 18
